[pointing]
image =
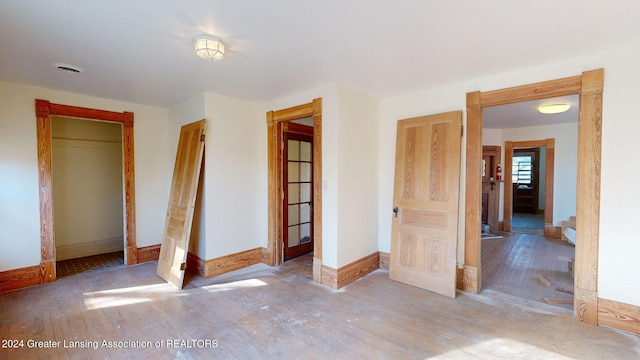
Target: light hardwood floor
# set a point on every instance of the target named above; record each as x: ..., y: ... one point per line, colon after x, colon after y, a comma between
x: 272, y: 313
x: 511, y: 265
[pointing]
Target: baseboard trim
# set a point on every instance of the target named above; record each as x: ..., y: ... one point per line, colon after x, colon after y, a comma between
x: 470, y: 281
x: 460, y: 278
x: 224, y: 264
x: 196, y: 264
x: 329, y: 277
x: 385, y: 259
x: 104, y: 246
x: 317, y: 270
x: 338, y: 278
x: 148, y: 253
x: 619, y: 315
x: 19, y: 278
x: 552, y: 231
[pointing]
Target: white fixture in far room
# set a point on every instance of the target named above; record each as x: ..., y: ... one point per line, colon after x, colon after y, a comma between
x: 209, y: 48
x: 553, y: 108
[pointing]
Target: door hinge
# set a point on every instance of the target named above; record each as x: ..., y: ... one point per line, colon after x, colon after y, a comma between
x: 202, y: 137
x: 462, y: 131
x: 183, y: 266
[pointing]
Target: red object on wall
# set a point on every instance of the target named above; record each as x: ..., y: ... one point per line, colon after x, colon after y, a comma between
x: 498, y: 172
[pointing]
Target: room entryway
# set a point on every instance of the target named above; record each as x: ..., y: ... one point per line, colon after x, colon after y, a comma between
x: 88, y: 194
x: 45, y: 114
x: 298, y: 193
x: 298, y: 218
x: 302, y: 265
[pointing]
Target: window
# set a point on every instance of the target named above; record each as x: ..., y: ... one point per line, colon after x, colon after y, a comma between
x: 522, y: 170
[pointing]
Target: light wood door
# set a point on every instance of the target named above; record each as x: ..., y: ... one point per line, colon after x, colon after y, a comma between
x: 177, y: 228
x: 426, y: 190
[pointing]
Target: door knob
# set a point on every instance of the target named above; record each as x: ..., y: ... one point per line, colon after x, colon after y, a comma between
x: 395, y: 211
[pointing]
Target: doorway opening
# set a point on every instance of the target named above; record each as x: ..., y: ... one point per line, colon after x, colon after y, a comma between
x: 295, y: 196
x: 529, y: 260
x: 44, y: 112
x: 529, y: 188
x: 297, y: 201
x: 589, y: 87
x: 527, y: 216
x: 87, y: 194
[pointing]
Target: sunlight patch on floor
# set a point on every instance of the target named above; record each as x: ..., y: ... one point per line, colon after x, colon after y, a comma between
x: 126, y: 296
x: 249, y: 283
x: 500, y: 349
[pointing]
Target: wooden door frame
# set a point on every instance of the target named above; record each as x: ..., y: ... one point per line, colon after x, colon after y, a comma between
x: 275, y: 120
x: 589, y: 86
x: 44, y: 111
x: 507, y: 212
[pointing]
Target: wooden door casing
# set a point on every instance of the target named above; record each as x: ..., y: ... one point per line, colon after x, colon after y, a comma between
x: 426, y: 191
x: 182, y: 198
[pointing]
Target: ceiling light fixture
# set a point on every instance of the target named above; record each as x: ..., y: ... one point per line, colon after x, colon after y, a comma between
x: 553, y: 108
x: 209, y: 48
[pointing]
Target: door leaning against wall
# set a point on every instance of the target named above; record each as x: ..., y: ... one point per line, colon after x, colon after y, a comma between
x: 425, y: 215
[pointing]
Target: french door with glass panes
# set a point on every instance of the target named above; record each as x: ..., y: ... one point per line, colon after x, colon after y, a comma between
x: 298, y: 195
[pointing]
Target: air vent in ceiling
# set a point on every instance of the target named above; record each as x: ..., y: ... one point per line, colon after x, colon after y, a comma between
x: 68, y: 68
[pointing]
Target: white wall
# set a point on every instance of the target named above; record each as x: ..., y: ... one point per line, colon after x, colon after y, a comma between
x: 87, y: 187
x: 620, y: 126
x: 19, y: 199
x: 357, y: 175
x: 189, y: 111
x: 235, y: 176
x: 493, y: 137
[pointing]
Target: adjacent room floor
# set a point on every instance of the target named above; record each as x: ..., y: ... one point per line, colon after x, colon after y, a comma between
x: 89, y: 263
x: 265, y: 312
x: 528, y: 266
x: 525, y: 223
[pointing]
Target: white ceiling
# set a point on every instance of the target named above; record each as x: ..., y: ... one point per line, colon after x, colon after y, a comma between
x: 526, y: 114
x: 142, y: 51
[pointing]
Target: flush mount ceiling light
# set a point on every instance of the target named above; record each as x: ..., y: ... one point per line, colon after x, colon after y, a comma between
x: 553, y: 108
x: 209, y: 48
